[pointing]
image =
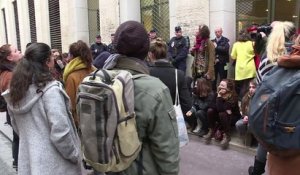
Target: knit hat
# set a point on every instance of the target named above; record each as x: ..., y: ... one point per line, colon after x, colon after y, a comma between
x: 100, y: 59
x: 131, y: 39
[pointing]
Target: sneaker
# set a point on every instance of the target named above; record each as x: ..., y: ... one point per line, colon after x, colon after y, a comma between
x: 197, y: 129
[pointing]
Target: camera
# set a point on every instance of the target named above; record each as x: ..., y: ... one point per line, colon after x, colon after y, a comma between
x: 264, y: 28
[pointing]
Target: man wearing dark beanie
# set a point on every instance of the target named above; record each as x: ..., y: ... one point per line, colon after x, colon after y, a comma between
x: 155, y: 115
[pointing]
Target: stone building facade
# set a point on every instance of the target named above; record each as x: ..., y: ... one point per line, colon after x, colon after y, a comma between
x: 74, y: 19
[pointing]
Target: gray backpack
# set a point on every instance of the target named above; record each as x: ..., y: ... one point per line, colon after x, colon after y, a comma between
x: 107, y: 127
x: 274, y: 111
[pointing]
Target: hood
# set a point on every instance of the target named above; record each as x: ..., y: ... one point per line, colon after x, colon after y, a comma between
x: 30, y: 99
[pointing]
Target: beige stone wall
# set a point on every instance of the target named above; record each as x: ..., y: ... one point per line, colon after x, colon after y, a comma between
x: 42, y: 21
x: 109, y: 18
x: 74, y: 22
x: 188, y: 14
x: 10, y: 23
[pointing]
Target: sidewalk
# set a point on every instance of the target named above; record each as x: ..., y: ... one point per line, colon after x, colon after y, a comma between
x: 236, y: 142
x: 5, y: 129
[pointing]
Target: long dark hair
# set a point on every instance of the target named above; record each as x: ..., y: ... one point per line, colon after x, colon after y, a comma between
x: 243, y: 36
x: 204, y: 31
x: 4, y: 53
x: 80, y: 49
x: 32, y: 69
x: 231, y: 95
x: 203, y: 88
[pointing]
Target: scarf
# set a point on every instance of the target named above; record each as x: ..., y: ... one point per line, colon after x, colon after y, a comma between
x: 200, y: 43
x: 73, y: 65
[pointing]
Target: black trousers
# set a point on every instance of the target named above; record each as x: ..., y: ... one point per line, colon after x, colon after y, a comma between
x: 15, y: 147
x: 221, y: 72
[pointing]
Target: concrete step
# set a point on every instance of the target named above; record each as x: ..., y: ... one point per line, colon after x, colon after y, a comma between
x: 237, y: 143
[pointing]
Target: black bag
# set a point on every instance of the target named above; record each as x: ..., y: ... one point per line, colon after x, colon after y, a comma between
x: 274, y: 111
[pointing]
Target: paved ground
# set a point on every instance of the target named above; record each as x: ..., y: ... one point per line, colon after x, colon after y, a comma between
x: 5, y: 157
x: 197, y: 158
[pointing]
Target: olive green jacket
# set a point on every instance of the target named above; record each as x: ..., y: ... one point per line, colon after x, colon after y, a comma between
x: 156, y: 123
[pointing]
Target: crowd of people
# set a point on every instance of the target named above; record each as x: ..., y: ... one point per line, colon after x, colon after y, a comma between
x: 40, y: 89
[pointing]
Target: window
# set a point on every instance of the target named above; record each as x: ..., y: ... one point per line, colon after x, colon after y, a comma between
x: 54, y: 20
x: 17, y: 24
x: 31, y: 10
x: 5, y: 25
x: 94, y: 19
x: 266, y: 11
x: 286, y: 10
x: 155, y: 15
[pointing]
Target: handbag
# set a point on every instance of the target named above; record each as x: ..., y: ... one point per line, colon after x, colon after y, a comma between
x: 182, y: 132
x: 3, y: 105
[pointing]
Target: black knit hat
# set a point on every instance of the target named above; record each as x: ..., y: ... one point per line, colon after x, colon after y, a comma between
x: 99, y: 61
x: 131, y: 39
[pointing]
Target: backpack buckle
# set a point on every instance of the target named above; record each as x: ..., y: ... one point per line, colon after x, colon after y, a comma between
x: 289, y: 129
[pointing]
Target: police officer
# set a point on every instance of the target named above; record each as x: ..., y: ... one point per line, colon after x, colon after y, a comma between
x: 98, y: 47
x: 178, y: 50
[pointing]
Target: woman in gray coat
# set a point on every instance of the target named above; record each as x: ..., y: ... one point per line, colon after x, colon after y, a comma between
x: 40, y: 114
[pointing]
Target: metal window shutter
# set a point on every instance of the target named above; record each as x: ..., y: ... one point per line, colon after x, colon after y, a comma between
x: 31, y: 11
x: 54, y: 20
x: 155, y: 15
x: 5, y: 25
x: 17, y: 24
x: 93, y: 19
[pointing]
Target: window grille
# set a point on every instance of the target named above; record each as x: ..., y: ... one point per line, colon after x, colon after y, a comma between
x: 54, y: 22
x: 31, y: 11
x: 5, y: 25
x: 17, y: 24
x: 155, y: 15
x: 250, y: 12
x: 93, y: 19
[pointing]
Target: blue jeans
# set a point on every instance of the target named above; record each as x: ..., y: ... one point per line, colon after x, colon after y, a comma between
x: 261, y: 153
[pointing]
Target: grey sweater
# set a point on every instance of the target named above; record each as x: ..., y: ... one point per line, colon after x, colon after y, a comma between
x: 49, y: 143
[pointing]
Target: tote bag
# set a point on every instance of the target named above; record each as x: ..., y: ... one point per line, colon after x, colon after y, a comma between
x: 182, y: 132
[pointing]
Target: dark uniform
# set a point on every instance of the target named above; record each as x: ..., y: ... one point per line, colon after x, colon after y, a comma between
x: 177, y: 52
x: 222, y: 53
x: 97, y: 48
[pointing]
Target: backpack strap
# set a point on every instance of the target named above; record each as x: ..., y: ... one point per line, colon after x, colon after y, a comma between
x: 137, y: 76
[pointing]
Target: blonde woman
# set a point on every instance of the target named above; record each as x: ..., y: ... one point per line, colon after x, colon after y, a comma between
x: 277, y: 48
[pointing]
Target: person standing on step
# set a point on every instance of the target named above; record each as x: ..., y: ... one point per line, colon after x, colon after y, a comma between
x: 221, y: 44
x: 98, y: 47
x: 178, y: 50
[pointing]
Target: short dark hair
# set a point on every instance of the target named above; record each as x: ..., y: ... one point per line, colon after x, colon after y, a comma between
x: 153, y: 31
x: 177, y: 28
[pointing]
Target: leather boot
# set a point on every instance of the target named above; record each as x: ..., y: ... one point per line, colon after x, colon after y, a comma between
x: 208, y: 136
x: 258, y: 168
x: 225, y: 141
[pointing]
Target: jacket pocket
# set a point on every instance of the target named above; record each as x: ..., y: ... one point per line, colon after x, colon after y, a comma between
x: 173, y: 120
